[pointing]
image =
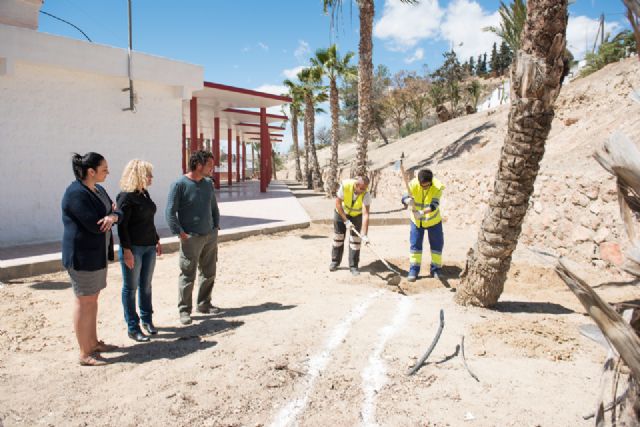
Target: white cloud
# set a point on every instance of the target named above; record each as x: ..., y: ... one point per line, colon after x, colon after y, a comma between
x: 404, y: 25
x: 417, y: 56
x: 263, y: 46
x: 292, y: 73
x: 581, y: 33
x: 246, y: 49
x: 302, y: 51
x: 463, y: 27
x: 273, y: 89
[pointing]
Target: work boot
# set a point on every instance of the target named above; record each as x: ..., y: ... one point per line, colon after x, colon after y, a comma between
x: 185, y: 318
x: 412, y: 277
x: 208, y: 309
x: 333, y: 266
x: 355, y: 271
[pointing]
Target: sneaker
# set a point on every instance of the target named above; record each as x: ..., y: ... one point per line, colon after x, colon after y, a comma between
x: 435, y: 275
x: 355, y: 271
x: 149, y: 328
x: 208, y: 309
x: 411, y: 277
x: 333, y: 266
x: 185, y: 318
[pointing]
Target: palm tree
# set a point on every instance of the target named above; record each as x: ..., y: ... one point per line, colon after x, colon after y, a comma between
x: 295, y: 111
x: 365, y: 74
x: 512, y: 19
x: 474, y: 90
x: 536, y: 81
x: 333, y: 66
x: 313, y: 92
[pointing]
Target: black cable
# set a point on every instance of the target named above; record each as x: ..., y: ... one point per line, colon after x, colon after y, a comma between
x: 67, y: 22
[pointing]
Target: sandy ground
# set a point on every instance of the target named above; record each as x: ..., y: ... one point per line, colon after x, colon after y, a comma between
x: 298, y: 344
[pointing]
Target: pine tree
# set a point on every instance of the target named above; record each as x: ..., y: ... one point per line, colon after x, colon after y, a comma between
x: 479, y: 69
x: 472, y: 66
x: 505, y: 57
x: 494, y: 61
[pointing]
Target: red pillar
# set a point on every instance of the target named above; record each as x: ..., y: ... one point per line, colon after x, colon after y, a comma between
x: 264, y: 150
x: 237, y: 158
x: 193, y: 110
x: 244, y: 161
x: 216, y: 150
x: 270, y: 162
x: 229, y: 156
x: 183, y: 148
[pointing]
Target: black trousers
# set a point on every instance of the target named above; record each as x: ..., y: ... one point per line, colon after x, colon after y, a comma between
x: 339, y: 231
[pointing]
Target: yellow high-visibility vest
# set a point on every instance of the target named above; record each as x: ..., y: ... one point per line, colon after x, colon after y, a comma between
x: 424, y: 198
x: 352, y: 207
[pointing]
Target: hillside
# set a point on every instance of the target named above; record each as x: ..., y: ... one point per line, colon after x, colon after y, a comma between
x: 578, y: 208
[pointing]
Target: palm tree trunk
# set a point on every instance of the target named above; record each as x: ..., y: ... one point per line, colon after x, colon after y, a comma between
x: 365, y: 82
x: 307, y: 170
x: 315, y: 167
x: 296, y: 149
x: 273, y: 165
x: 384, y: 137
x: 536, y: 81
x: 333, y: 165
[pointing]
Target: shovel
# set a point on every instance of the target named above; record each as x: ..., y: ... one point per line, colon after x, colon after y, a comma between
x: 394, y: 280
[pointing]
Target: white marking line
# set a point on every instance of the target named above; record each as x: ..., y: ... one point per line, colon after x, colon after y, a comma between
x: 374, y: 376
x: 319, y: 362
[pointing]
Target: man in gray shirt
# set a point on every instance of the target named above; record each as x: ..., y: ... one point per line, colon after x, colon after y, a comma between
x: 192, y: 213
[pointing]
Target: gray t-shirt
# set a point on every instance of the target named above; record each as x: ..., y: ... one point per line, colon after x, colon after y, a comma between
x: 366, y: 200
x: 192, y: 207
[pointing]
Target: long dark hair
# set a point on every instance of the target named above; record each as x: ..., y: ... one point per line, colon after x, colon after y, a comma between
x: 81, y: 164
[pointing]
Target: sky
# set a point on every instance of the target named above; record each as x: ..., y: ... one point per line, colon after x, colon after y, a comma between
x: 256, y: 44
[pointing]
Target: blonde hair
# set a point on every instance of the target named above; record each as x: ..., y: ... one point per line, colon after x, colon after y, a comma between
x: 135, y: 176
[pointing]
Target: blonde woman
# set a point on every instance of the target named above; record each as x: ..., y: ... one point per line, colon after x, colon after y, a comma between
x: 139, y: 245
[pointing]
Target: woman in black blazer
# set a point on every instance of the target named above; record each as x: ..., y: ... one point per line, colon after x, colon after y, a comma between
x: 88, y: 215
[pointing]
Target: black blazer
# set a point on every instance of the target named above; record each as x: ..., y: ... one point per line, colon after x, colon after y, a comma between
x: 83, y: 245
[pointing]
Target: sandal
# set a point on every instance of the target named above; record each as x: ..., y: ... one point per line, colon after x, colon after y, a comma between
x: 102, y: 347
x: 91, y: 361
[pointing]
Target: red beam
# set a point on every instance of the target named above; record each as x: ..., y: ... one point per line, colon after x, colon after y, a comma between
x: 258, y: 133
x: 193, y: 110
x: 264, y: 152
x: 237, y: 158
x: 244, y: 161
x: 183, y: 148
x: 257, y: 126
x: 247, y: 91
x: 255, y: 113
x: 229, y: 156
x: 216, y: 150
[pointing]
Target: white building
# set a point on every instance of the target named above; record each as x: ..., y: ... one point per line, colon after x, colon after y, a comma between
x: 59, y: 96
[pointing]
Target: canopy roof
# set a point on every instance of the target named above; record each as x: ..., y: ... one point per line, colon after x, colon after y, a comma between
x: 235, y: 107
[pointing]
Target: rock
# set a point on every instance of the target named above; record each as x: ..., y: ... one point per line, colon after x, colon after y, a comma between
x: 590, y: 221
x: 537, y: 207
x: 579, y: 199
x: 581, y: 234
x: 601, y: 235
x: 595, y: 207
x: 610, y: 251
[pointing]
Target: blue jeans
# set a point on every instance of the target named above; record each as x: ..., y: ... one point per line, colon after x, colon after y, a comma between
x: 138, y: 278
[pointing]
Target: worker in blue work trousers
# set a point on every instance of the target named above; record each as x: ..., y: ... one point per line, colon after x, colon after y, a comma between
x: 423, y: 197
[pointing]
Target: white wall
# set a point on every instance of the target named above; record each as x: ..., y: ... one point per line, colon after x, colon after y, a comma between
x: 49, y: 111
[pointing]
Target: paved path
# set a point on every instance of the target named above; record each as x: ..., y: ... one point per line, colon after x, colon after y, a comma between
x: 244, y: 212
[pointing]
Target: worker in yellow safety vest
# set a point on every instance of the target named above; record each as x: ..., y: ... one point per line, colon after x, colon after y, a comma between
x: 423, y: 199
x: 352, y: 211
